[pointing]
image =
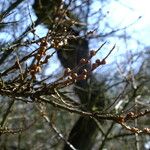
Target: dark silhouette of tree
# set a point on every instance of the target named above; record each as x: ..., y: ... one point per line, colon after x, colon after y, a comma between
x: 83, y: 133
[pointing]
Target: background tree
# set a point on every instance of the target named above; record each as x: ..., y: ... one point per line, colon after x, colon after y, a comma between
x: 29, y: 95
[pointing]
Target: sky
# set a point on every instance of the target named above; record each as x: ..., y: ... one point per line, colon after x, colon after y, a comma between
x: 132, y: 13
x: 127, y: 11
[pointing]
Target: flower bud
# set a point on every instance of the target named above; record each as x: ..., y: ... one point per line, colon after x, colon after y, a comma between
x: 67, y: 71
x: 83, y: 61
x: 92, y: 53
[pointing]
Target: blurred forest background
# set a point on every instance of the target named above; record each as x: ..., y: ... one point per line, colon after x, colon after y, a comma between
x: 72, y: 77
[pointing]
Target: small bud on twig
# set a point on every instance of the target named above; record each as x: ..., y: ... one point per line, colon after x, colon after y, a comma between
x: 94, y: 66
x: 83, y: 61
x: 92, y: 53
x: 67, y: 71
x: 98, y: 61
